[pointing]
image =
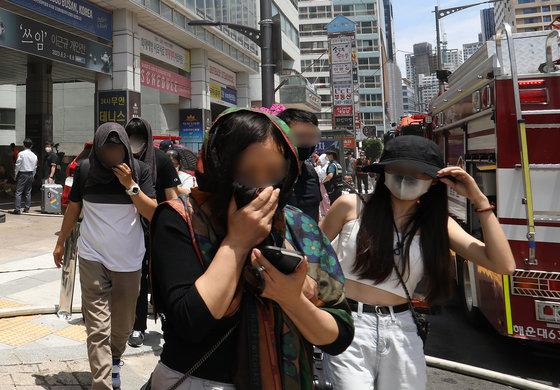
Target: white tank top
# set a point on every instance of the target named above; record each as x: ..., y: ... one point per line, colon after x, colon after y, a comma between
x: 345, y: 247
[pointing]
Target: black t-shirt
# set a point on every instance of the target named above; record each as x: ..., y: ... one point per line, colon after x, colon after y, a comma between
x: 48, y: 162
x: 189, y: 329
x: 112, y: 192
x: 307, y: 193
x: 166, y: 175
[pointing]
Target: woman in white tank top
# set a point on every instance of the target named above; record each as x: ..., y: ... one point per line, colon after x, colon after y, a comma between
x: 404, y: 223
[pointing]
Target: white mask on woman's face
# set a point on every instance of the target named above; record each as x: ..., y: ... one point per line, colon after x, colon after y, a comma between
x: 137, y: 145
x: 406, y: 187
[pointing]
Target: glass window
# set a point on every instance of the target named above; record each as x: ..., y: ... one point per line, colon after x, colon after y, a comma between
x: 7, y: 118
x: 153, y: 5
x: 525, y: 1
x: 546, y: 18
x: 531, y: 20
x: 530, y: 11
x: 189, y: 4
x: 546, y: 8
x: 179, y: 19
x: 200, y: 7
x: 166, y: 12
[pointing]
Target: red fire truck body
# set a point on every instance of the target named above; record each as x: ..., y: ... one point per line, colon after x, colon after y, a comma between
x: 500, y: 120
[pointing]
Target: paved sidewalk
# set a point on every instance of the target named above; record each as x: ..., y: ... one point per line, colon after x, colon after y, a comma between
x: 44, y: 351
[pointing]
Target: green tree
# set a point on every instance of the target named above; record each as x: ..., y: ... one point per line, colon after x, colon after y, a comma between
x: 373, y: 148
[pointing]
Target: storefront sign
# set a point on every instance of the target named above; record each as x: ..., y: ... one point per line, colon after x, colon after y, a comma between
x: 324, y: 145
x: 341, y: 50
x: 118, y: 106
x: 29, y: 36
x: 191, y: 127
x: 343, y: 110
x: 349, y: 142
x: 157, y: 47
x: 344, y: 122
x: 342, y: 94
x: 76, y: 13
x: 222, y: 76
x: 158, y: 78
x: 222, y: 94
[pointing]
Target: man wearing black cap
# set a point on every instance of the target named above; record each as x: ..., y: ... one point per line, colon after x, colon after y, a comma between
x: 333, y: 181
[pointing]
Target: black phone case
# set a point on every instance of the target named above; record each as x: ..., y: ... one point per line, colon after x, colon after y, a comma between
x: 282, y: 261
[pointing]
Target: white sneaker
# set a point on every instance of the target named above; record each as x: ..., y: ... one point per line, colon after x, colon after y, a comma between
x: 116, y: 376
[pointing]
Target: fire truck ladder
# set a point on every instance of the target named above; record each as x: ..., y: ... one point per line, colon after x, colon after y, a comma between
x: 505, y: 30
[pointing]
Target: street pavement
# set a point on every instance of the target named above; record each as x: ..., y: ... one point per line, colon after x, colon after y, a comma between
x: 45, y: 352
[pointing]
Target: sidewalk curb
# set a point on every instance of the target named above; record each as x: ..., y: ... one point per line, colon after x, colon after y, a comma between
x: 33, y: 310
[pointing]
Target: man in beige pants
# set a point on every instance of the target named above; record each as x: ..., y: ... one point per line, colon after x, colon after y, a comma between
x: 111, y: 246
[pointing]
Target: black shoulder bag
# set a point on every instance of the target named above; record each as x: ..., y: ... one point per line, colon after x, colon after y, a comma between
x: 422, y: 323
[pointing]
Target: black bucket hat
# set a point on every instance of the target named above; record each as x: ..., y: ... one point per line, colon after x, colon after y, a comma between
x: 411, y: 151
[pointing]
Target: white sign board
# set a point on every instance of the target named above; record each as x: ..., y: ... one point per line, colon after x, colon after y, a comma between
x: 342, y: 94
x: 160, y: 48
x: 341, y: 51
x: 222, y: 76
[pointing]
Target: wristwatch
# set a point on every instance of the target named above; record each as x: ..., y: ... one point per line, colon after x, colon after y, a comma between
x: 134, y: 190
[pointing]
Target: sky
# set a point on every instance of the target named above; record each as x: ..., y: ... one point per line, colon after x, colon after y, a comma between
x: 415, y: 22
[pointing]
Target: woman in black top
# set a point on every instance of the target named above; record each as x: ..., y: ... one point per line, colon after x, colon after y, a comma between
x: 207, y: 289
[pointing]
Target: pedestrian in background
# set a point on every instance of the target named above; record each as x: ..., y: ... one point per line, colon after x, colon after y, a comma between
x: 49, y: 163
x: 402, y: 234
x: 334, y: 180
x: 361, y: 176
x: 24, y: 173
x: 305, y: 131
x: 187, y: 180
x: 113, y: 190
x: 15, y: 152
x: 166, y: 181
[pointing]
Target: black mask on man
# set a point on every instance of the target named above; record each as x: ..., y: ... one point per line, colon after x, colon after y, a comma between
x: 304, y: 152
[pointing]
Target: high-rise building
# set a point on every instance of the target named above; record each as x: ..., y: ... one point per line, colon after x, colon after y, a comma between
x: 487, y: 24
x: 526, y: 15
x: 409, y: 98
x: 428, y: 88
x: 470, y: 48
x: 369, y: 16
x: 394, y: 77
x: 452, y: 59
x: 389, y: 30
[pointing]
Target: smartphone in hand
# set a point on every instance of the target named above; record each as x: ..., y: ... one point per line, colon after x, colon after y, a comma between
x: 285, y: 260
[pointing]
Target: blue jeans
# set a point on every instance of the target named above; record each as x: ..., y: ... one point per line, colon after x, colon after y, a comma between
x: 23, y: 186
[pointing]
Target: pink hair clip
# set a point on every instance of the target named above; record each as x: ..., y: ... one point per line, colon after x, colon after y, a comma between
x: 275, y: 109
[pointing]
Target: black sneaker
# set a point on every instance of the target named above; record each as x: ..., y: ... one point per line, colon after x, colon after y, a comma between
x: 26, y: 210
x: 136, y: 339
x: 16, y: 212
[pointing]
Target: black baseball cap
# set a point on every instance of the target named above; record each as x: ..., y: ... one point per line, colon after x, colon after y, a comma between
x: 412, y: 151
x: 166, y: 145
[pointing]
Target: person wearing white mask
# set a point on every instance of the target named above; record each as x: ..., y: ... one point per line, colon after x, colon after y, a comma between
x: 401, y: 234
x: 49, y: 163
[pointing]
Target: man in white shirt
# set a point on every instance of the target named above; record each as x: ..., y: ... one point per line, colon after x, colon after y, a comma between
x: 24, y: 172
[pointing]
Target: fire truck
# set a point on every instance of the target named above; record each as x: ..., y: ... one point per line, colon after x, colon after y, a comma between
x: 499, y: 119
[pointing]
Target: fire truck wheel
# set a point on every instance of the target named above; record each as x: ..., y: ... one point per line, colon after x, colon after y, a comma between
x: 466, y: 287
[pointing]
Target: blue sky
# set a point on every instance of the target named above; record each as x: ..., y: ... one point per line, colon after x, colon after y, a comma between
x: 415, y: 22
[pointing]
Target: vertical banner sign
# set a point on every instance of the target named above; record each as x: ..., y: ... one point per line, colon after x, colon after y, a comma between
x: 343, y: 61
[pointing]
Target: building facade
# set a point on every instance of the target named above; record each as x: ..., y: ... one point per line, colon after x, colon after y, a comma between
x: 369, y: 18
x: 409, y: 98
x: 527, y: 15
x: 470, y: 48
x: 109, y: 61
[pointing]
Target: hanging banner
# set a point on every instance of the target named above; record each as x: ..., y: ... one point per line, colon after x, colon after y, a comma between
x: 160, y: 48
x: 158, y: 78
x: 341, y: 50
x: 76, y: 13
x: 29, y: 36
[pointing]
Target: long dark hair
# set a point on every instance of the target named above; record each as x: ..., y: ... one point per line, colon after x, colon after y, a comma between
x: 233, y: 134
x: 374, y: 249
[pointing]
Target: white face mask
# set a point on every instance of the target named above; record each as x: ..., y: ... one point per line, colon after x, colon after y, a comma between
x: 48, y: 150
x: 406, y: 187
x: 177, y: 168
x: 137, y: 146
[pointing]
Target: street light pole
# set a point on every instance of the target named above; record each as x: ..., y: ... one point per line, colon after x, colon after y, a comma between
x: 442, y: 13
x: 267, y: 63
x: 263, y: 38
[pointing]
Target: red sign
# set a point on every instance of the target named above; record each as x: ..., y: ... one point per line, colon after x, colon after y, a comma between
x: 349, y: 142
x: 343, y: 110
x: 155, y: 77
